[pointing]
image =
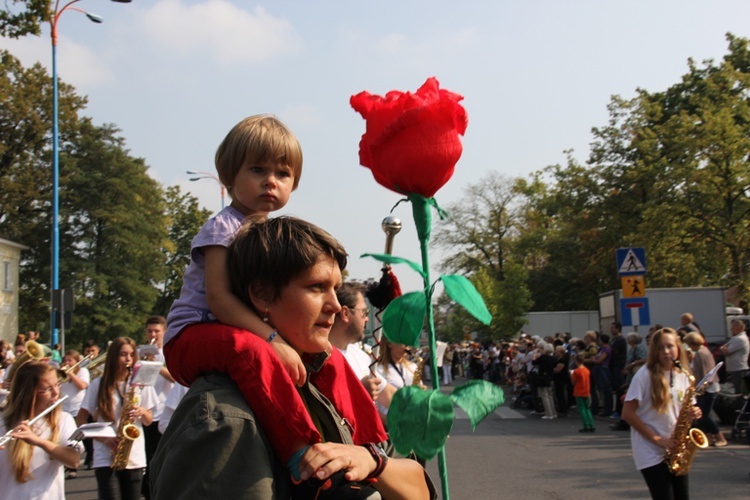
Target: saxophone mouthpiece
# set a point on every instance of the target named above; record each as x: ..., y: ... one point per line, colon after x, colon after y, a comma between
x: 677, y: 364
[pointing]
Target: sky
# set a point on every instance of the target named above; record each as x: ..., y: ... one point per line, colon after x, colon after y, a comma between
x: 175, y: 75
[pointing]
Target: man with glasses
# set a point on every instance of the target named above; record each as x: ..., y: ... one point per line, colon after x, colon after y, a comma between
x: 348, y: 330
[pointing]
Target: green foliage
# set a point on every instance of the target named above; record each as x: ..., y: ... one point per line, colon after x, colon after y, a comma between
x: 184, y: 219
x: 465, y: 294
x: 420, y: 421
x: 478, y: 398
x: 507, y: 299
x: 480, y: 235
x: 17, y: 21
x: 403, y: 319
x: 112, y: 233
x: 123, y: 242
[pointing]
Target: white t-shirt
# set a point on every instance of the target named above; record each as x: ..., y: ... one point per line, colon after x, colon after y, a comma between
x: 162, y: 387
x: 75, y: 395
x: 170, y: 405
x: 738, y: 347
x: 360, y: 362
x: 645, y: 453
x: 48, y: 477
x: 145, y: 397
x: 400, y: 375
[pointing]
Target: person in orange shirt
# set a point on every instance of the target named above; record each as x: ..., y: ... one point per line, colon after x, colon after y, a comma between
x: 582, y: 392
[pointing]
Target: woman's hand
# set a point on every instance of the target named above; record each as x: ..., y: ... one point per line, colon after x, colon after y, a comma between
x: 697, y: 413
x: 665, y: 443
x: 323, y: 459
x: 24, y: 432
x: 372, y: 385
x: 109, y: 442
x: 137, y: 412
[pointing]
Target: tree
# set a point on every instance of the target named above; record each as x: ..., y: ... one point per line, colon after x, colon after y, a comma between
x: 184, y: 220
x: 112, y: 223
x: 25, y: 174
x: 478, y: 237
x: 112, y: 232
x: 16, y: 21
x: 680, y: 157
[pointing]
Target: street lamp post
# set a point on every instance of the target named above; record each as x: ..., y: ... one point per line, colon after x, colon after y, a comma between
x: 208, y: 175
x: 54, y: 19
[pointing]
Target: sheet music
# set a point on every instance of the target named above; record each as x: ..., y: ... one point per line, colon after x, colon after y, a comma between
x: 94, y: 430
x: 709, y: 376
x: 146, y: 372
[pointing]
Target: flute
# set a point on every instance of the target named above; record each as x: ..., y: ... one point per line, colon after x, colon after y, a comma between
x: 7, y: 437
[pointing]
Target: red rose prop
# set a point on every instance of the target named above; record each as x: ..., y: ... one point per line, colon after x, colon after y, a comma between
x: 411, y: 142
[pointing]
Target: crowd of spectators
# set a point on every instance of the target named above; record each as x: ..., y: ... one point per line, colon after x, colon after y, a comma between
x: 537, y: 371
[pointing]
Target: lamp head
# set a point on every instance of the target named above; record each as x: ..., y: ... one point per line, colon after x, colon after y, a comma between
x: 94, y: 17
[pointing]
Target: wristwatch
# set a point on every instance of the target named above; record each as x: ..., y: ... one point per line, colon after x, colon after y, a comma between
x: 380, y: 457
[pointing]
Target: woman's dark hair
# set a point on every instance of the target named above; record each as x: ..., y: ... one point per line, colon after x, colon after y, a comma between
x: 268, y: 254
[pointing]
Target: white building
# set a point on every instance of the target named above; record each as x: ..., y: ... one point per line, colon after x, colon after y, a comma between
x: 10, y: 258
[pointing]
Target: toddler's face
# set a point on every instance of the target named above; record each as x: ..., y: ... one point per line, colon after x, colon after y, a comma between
x: 262, y: 187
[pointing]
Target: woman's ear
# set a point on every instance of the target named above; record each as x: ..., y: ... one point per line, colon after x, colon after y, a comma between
x: 260, y: 299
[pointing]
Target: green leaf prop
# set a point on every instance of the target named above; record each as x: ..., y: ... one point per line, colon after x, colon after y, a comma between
x: 460, y: 289
x: 478, y: 398
x: 419, y: 421
x: 403, y: 319
x: 390, y: 259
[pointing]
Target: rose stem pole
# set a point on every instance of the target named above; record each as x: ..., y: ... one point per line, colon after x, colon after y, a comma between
x: 423, y: 220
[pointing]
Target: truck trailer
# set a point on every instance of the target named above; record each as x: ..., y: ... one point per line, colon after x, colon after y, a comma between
x: 708, y: 305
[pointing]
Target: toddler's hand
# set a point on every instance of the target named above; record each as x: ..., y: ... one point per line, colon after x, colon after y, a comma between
x: 290, y: 359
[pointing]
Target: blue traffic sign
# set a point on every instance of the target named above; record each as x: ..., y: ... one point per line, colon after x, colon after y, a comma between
x: 631, y: 261
x: 634, y: 312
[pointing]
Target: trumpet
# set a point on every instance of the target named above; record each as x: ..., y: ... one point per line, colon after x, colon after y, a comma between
x: 7, y: 436
x: 33, y: 350
x: 63, y: 373
x: 96, y: 365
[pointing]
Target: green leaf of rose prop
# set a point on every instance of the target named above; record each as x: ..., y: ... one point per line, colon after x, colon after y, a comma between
x: 411, y: 144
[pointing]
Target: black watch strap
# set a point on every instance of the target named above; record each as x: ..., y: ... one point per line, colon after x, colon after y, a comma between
x: 380, y: 457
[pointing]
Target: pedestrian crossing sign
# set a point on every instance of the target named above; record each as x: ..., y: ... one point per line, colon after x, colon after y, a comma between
x: 631, y: 261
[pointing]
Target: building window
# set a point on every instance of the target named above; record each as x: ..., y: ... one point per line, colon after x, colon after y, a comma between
x: 7, y: 276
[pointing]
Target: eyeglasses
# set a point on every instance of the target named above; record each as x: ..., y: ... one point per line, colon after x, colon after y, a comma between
x: 365, y: 311
x: 49, y: 389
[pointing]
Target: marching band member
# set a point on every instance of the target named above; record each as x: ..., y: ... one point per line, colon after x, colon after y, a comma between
x: 104, y: 400
x: 74, y: 387
x: 652, y: 406
x: 31, y: 465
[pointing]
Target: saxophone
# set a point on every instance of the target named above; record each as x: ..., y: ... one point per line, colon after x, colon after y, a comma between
x: 127, y: 432
x: 417, y: 380
x: 689, y: 439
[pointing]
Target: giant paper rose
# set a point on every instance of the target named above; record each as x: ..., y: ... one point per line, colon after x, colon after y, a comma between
x: 411, y: 142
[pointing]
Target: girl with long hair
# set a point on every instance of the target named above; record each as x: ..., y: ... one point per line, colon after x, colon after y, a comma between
x: 394, y: 365
x: 31, y: 465
x: 652, y: 406
x: 104, y: 399
x: 74, y: 387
